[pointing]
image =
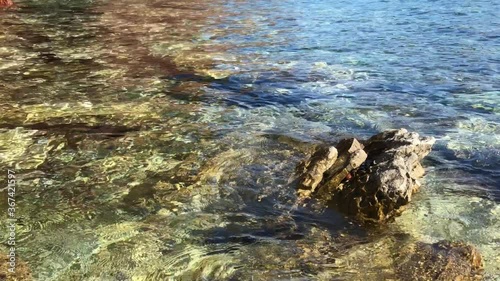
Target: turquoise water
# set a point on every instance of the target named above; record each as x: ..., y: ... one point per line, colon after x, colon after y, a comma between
x: 156, y: 140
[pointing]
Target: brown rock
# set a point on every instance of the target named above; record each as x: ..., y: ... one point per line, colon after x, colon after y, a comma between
x: 387, y: 180
x: 312, y: 170
x: 441, y: 261
x: 372, y: 183
x: 400, y: 257
x: 351, y: 156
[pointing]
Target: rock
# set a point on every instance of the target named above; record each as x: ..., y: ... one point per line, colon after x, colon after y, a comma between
x: 372, y: 183
x: 440, y: 261
x: 389, y: 177
x: 312, y: 170
x: 400, y: 257
x: 351, y: 156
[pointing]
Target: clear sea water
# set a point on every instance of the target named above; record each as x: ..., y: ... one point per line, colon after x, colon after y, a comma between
x: 155, y: 140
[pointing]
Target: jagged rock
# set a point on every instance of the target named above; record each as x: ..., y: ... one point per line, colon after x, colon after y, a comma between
x: 373, y: 182
x: 351, y: 156
x: 312, y: 170
x: 389, y: 177
x: 441, y: 261
x: 329, y: 166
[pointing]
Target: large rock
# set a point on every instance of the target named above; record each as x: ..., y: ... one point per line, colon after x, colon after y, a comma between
x: 372, y: 183
x: 386, y: 181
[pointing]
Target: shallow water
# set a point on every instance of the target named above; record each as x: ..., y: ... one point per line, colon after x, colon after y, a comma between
x: 155, y: 141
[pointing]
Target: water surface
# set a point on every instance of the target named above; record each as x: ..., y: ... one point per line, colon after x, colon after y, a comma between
x: 155, y: 140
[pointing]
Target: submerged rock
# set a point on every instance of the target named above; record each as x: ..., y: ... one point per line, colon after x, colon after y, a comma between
x: 443, y: 260
x: 401, y: 257
x: 373, y: 182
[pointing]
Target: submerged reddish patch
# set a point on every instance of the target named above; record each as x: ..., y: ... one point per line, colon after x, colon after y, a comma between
x: 6, y: 3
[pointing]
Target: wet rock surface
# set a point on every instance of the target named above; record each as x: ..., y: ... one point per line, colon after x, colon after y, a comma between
x: 351, y: 156
x: 371, y: 182
x: 313, y: 169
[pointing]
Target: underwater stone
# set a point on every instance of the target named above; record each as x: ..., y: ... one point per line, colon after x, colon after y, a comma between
x: 443, y: 260
x: 402, y: 257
